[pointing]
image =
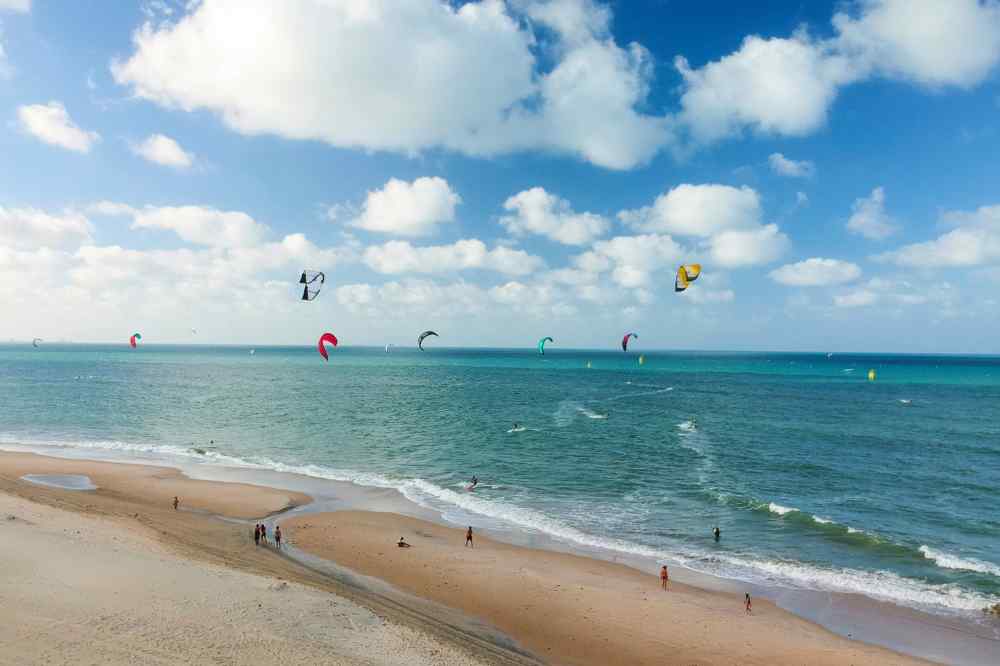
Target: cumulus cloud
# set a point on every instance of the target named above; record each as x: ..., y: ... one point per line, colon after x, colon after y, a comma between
x: 51, y: 123
x: 408, y: 209
x: 784, y: 166
x: 856, y: 299
x: 31, y: 228
x: 955, y: 43
x: 786, y: 86
x: 869, y: 219
x: 739, y: 249
x: 163, y: 150
x: 195, y: 224
x: 816, y: 272
x: 697, y: 210
x: 536, y: 211
x: 975, y: 241
x: 472, y: 78
x: 15, y: 5
x: 631, y: 259
x: 397, y: 257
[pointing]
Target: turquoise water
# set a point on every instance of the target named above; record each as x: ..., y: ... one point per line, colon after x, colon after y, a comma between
x: 818, y: 478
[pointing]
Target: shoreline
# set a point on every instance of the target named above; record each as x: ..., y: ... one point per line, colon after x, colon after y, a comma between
x: 387, y: 502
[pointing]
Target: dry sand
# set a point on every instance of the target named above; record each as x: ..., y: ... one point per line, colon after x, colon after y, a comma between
x: 571, y: 609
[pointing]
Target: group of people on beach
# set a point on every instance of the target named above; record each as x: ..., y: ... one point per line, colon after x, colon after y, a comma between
x: 260, y: 535
x: 665, y: 576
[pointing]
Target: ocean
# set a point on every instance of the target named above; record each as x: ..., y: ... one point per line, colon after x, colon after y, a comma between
x: 817, y: 477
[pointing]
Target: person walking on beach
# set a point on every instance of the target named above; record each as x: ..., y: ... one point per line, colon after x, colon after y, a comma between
x: 256, y: 534
x: 277, y: 536
x: 468, y: 538
x: 749, y: 606
x: 176, y: 502
x: 664, y: 576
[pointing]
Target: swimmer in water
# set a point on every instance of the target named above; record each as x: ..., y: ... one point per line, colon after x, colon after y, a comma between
x: 717, y: 533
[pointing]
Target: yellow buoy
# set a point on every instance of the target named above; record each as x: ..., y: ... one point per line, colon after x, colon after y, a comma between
x: 871, y: 375
x: 588, y: 364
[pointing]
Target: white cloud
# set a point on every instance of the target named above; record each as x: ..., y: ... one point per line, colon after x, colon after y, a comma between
x: 163, y: 150
x: 430, y: 300
x: 738, y: 249
x: 792, y: 168
x: 816, y: 272
x: 631, y: 259
x: 15, y: 5
x: 408, y: 209
x: 932, y: 43
x: 52, y: 124
x: 470, y: 77
x: 535, y: 211
x: 697, y: 210
x: 5, y: 69
x: 195, y: 224
x: 869, y: 219
x: 855, y: 299
x: 976, y: 241
x: 30, y: 228
x: 786, y: 86
x: 771, y: 86
x: 401, y: 257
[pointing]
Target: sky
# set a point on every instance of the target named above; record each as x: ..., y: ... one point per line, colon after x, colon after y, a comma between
x: 500, y: 171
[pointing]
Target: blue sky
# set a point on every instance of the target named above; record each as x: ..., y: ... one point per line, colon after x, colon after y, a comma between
x: 502, y: 171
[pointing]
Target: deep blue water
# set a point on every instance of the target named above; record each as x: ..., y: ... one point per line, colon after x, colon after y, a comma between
x: 816, y: 476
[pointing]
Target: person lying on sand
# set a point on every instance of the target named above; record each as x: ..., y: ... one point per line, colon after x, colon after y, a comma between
x: 402, y: 543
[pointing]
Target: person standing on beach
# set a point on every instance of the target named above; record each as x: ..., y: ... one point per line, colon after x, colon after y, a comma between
x: 277, y: 536
x: 263, y: 533
x: 468, y: 538
x: 256, y: 534
x: 176, y: 502
x: 664, y: 576
x: 749, y: 606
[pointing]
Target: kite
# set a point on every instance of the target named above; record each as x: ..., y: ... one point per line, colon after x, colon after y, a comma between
x: 626, y: 339
x: 686, y: 274
x: 420, y: 338
x: 312, y: 282
x: 134, y: 338
x: 541, y: 344
x: 35, y: 341
x: 329, y: 338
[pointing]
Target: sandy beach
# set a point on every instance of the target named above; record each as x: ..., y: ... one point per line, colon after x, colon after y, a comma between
x: 116, y: 575
x: 572, y: 609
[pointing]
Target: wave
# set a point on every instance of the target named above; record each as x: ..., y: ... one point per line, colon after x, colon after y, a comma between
x: 591, y: 414
x: 949, y: 561
x: 780, y: 510
x: 882, y: 585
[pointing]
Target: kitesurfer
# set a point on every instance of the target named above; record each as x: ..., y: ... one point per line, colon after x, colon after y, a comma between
x: 475, y: 481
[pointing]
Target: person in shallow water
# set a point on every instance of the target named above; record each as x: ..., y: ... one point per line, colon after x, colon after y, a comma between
x: 717, y: 533
x: 277, y: 536
x: 256, y: 534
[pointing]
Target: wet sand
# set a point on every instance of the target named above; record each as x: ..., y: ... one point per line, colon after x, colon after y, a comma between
x: 572, y: 609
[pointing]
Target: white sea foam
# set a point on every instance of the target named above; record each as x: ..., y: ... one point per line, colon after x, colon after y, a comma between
x: 590, y: 414
x: 881, y: 585
x: 687, y: 426
x: 822, y: 521
x: 780, y: 510
x: 949, y: 561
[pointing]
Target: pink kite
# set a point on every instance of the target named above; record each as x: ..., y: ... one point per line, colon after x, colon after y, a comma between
x: 326, y: 337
